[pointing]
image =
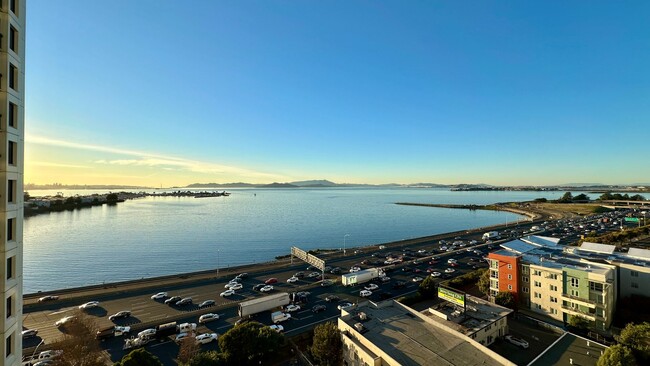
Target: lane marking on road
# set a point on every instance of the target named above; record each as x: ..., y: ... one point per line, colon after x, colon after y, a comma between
x: 61, y: 311
x: 224, y: 326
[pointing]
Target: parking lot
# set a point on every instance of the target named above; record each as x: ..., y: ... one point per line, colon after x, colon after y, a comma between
x: 539, y: 339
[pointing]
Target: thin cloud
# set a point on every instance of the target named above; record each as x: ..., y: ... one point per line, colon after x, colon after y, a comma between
x: 153, y: 159
x: 57, y: 165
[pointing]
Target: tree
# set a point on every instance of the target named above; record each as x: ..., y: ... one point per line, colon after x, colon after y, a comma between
x: 26, y: 196
x: 327, y: 347
x: 249, y: 343
x: 581, y: 197
x: 617, y: 355
x: 428, y: 288
x: 209, y: 358
x: 568, y: 197
x: 187, y: 350
x: 578, y: 322
x: 541, y: 200
x: 636, y: 337
x: 505, y: 298
x: 139, y: 357
x: 111, y: 198
x: 484, y: 282
x: 79, y: 345
x: 69, y: 201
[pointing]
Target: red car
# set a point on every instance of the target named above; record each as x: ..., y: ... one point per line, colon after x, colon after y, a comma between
x: 429, y: 270
x: 453, y: 264
x: 432, y: 262
x: 270, y: 281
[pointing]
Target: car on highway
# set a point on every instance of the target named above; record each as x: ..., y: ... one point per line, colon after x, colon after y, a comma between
x: 344, y: 305
x: 258, y: 286
x: 326, y: 283
x: 236, y: 286
x: 49, y: 354
x: 158, y: 296
x: 277, y: 327
x: 473, y: 242
x: 365, y: 293
x: 371, y: 287
x: 417, y: 279
x: 184, y: 301
x: 65, y: 320
x: 89, y: 305
x: 28, y: 333
x: 206, y: 338
x: 227, y: 293
x: 336, y: 270
x: 314, y: 275
x: 332, y: 298
x: 517, y: 341
x: 450, y: 270
x: 205, y: 318
x: 453, y: 264
x: 355, y: 269
x: 207, y: 303
x: 179, y: 337
x: 451, y: 260
x: 291, y: 308
x: 399, y: 284
x: 242, y: 275
x: 120, y: 315
x: 300, y: 274
x: 147, y: 333
x: 318, y: 308
x: 271, y: 281
x: 436, y: 274
x: 48, y: 298
x: 231, y: 284
x: 267, y: 288
x: 172, y: 300
x: 292, y: 279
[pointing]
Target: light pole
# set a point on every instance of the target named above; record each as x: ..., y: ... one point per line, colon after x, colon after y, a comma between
x: 218, y: 262
x: 36, y: 349
x: 344, y: 237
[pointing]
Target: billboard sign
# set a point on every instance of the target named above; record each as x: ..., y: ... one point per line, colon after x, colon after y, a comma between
x: 310, y: 259
x: 451, y: 296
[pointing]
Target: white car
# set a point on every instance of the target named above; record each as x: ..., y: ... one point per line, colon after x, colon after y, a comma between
x: 371, y: 287
x: 291, y: 308
x: 267, y: 288
x: 450, y: 270
x: 206, y: 338
x: 227, y: 293
x: 208, y: 318
x: 65, y: 320
x: 231, y: 284
x: 344, y: 305
x: 451, y: 260
x: 354, y: 269
x: 417, y: 279
x: 89, y: 305
x: 517, y: 341
x: 365, y: 293
x: 292, y: 279
x: 277, y: 327
x: 158, y: 296
x: 179, y: 338
x: 48, y: 298
x: 236, y: 286
x: 384, y: 279
x: 473, y: 242
x: 52, y: 353
x: 147, y: 333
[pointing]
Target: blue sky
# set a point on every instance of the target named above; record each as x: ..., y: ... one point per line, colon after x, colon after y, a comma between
x: 153, y: 92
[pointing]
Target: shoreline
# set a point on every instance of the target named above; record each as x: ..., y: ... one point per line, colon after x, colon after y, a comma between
x: 493, y: 207
x: 109, y: 288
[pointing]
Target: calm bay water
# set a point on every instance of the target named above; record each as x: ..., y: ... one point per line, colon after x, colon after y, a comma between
x: 166, y: 235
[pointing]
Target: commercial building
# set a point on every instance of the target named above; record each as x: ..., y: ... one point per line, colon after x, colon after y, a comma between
x: 390, y: 333
x: 12, y: 136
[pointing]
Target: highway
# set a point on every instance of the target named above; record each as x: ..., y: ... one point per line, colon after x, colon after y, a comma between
x: 147, y: 313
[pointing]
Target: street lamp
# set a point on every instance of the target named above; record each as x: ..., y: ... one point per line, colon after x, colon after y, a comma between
x: 36, y: 349
x: 218, y: 262
x: 344, y: 237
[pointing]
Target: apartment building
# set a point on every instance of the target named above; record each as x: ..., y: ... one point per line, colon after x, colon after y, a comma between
x: 12, y: 136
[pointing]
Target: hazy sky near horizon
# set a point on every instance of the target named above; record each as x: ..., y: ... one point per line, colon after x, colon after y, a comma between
x: 161, y: 92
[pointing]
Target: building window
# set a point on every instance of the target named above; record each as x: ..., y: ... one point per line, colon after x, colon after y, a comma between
x: 634, y: 285
x: 11, y: 228
x: 538, y: 306
x: 575, y: 293
x: 509, y: 266
x: 494, y: 264
x: 509, y: 276
x: 10, y: 307
x: 554, y: 299
x: 538, y: 284
x: 537, y: 273
x: 575, y: 282
x: 13, y: 77
x: 13, y: 7
x: 526, y: 279
x: 10, y: 267
x: 553, y: 287
x: 634, y: 273
x: 11, y: 191
x: 525, y: 289
x: 13, y: 116
x: 537, y: 295
x: 553, y: 311
x: 13, y: 38
x: 553, y: 276
x: 524, y: 269
x: 596, y: 286
x: 9, y: 345
x: 510, y: 287
x: 11, y: 154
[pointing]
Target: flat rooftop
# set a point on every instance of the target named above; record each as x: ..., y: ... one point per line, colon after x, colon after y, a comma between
x: 410, y: 340
x: 479, y: 314
x: 570, y: 348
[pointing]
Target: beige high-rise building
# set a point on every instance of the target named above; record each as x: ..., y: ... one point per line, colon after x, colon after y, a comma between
x: 12, y: 139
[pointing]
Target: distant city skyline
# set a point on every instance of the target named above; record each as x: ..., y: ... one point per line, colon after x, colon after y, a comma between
x: 353, y: 92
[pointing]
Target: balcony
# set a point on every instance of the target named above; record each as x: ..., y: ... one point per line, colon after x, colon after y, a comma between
x: 576, y: 312
x: 579, y: 300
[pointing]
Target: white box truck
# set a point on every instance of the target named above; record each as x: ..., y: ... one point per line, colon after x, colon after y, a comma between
x: 265, y: 303
x: 279, y: 317
x: 491, y: 235
x: 351, y: 279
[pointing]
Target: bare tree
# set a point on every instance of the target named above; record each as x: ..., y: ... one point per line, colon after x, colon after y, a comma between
x: 188, y: 349
x: 79, y: 344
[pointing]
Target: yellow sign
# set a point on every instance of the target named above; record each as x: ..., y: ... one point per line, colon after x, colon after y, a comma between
x: 451, y: 296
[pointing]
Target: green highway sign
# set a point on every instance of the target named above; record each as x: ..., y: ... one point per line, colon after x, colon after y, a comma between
x: 631, y: 219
